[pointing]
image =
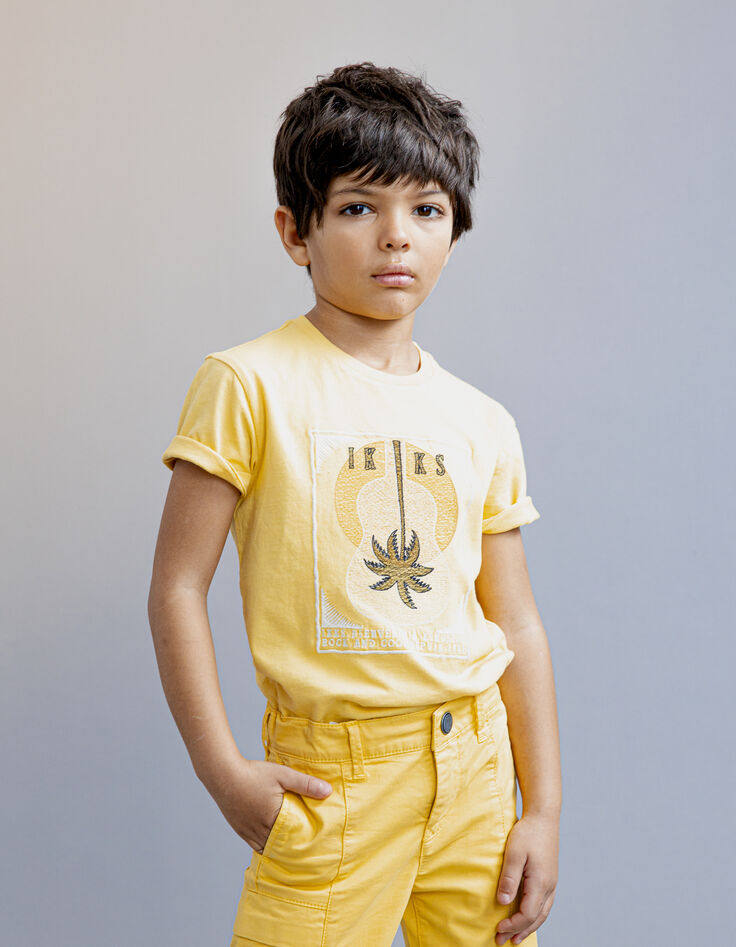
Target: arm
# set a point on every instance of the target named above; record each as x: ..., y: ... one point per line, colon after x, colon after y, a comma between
x: 527, y: 689
x: 527, y: 685
x: 194, y: 526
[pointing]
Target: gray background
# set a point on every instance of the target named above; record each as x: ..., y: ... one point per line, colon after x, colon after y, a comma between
x: 594, y: 298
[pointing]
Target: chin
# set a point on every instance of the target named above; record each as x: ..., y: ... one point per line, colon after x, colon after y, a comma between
x: 383, y: 312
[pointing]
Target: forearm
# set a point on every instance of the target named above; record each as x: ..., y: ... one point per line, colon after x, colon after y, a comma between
x: 528, y: 691
x: 186, y: 661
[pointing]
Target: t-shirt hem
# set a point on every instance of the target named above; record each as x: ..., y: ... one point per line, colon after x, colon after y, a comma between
x: 186, y: 448
x: 519, y: 514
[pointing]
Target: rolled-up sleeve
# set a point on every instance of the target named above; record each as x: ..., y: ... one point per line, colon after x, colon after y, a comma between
x: 216, y: 429
x: 507, y: 504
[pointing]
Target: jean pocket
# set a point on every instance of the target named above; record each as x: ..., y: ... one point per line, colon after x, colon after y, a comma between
x: 303, y: 852
x: 503, y: 772
x: 278, y: 825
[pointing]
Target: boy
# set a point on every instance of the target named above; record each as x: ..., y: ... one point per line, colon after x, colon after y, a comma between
x: 375, y: 500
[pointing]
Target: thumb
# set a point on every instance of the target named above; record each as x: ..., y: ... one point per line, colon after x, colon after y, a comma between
x: 511, y: 873
x: 305, y: 784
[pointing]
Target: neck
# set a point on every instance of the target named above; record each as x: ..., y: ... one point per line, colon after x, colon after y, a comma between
x: 382, y: 343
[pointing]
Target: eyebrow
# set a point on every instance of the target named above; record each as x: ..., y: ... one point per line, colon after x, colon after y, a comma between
x: 370, y: 191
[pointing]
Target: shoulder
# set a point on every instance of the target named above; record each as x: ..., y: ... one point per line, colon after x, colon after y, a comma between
x: 251, y: 358
x: 484, y: 408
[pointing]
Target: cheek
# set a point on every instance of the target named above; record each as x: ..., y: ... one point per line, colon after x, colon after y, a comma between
x: 338, y: 263
x: 438, y: 260
x: 343, y: 258
x: 434, y: 247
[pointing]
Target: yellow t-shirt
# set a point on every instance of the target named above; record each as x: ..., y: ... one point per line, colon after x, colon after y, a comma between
x: 364, y: 495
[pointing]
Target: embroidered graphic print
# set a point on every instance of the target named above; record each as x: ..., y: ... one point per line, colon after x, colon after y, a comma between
x: 398, y: 563
x: 385, y: 511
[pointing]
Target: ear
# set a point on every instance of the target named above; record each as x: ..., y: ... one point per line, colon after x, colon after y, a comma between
x: 449, y: 252
x: 286, y: 226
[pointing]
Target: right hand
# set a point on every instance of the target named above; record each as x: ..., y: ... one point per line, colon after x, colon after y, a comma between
x: 251, y: 792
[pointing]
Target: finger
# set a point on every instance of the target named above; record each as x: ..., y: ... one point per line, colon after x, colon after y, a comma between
x: 513, y: 868
x: 510, y: 927
x: 533, y: 896
x: 304, y: 783
x: 315, y: 787
x: 519, y: 936
x: 530, y: 908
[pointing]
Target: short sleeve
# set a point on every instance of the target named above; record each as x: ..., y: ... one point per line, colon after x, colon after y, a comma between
x: 507, y: 504
x: 216, y: 429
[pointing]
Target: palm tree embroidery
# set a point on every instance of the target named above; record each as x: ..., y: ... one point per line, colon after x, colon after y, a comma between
x: 398, y: 563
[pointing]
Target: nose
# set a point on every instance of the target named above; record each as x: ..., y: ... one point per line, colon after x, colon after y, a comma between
x: 393, y: 233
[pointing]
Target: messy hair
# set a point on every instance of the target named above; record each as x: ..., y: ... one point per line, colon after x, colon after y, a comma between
x: 381, y: 122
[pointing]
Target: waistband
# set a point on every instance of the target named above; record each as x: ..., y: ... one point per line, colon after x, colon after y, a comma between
x: 358, y: 740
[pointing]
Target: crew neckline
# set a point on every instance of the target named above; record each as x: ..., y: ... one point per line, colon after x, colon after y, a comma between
x: 353, y: 364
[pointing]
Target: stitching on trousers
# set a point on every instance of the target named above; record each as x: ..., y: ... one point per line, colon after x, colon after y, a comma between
x: 496, y: 787
x: 342, y: 855
x: 429, y: 834
x: 274, y: 897
x: 503, y: 811
x: 416, y: 921
x: 366, y: 756
x: 386, y: 754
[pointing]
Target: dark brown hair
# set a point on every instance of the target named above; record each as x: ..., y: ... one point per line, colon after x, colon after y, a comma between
x: 381, y: 121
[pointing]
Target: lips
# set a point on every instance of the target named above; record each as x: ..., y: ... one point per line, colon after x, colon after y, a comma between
x: 394, y: 269
x: 394, y: 274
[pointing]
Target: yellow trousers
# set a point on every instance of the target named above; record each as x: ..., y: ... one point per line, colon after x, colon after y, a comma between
x: 413, y: 832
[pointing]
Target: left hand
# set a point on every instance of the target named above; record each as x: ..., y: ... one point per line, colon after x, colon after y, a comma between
x: 532, y: 849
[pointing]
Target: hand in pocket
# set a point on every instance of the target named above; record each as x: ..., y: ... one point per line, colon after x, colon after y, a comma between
x: 250, y: 794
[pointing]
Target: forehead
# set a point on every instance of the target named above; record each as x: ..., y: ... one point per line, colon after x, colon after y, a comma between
x: 356, y: 183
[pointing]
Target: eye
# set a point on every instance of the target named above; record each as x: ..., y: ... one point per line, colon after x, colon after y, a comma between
x: 350, y: 207
x: 430, y: 207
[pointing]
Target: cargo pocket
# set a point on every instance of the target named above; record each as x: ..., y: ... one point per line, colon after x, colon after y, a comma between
x: 277, y: 922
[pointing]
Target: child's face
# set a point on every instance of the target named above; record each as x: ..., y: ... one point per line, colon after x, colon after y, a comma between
x: 367, y: 228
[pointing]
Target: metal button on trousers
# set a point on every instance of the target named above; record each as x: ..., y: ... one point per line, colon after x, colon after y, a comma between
x: 446, y: 724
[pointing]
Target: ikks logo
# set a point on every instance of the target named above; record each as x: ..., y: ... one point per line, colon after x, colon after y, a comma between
x: 385, y: 509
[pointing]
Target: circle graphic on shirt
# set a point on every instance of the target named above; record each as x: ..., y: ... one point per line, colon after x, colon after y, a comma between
x: 369, y: 463
x: 385, y: 513
x: 396, y: 503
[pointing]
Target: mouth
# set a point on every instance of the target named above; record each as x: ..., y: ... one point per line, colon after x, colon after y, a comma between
x: 393, y: 279
x: 394, y: 274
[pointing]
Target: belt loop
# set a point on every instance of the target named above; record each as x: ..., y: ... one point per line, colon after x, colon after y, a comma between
x: 356, y: 750
x: 265, y: 736
x: 480, y: 715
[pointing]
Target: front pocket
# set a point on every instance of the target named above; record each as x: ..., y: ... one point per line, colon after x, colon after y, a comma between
x: 278, y: 824
x: 503, y: 773
x: 303, y: 852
